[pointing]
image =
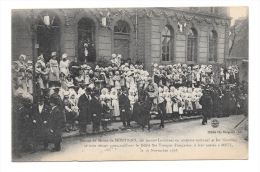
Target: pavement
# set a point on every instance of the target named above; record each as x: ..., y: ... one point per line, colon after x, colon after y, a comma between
x: 118, y: 126
x: 177, y: 141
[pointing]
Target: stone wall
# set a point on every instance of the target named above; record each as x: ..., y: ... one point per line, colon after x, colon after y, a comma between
x: 147, y: 48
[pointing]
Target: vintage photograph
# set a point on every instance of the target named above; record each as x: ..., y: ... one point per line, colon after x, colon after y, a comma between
x: 99, y: 84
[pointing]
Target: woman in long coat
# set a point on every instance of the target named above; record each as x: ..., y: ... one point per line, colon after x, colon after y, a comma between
x: 142, y: 109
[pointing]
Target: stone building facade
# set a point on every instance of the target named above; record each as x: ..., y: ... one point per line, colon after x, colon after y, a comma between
x: 151, y: 35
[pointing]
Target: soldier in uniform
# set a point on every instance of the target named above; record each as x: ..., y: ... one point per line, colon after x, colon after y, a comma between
x: 206, y: 102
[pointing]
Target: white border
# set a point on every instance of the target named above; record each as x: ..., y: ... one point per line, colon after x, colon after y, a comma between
x: 210, y: 166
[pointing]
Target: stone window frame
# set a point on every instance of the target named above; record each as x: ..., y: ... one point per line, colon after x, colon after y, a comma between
x: 213, y: 27
x: 60, y: 15
x: 197, y: 28
x: 131, y: 36
x: 171, y: 42
x: 87, y: 14
x: 174, y: 29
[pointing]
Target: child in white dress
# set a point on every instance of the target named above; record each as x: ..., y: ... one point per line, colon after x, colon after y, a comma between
x: 115, y: 103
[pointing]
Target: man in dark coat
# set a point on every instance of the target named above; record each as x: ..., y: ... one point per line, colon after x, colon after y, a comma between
x: 96, y: 111
x: 206, y: 102
x: 56, y: 124
x: 84, y: 111
x: 141, y: 110
x: 125, y: 108
x: 41, y: 120
x: 17, y: 125
x: 161, y: 111
x: 216, y: 98
x: 226, y: 102
x: 25, y: 124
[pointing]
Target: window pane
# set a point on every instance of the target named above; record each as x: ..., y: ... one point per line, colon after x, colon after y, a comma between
x: 166, y: 43
x: 163, y: 50
x: 167, y: 57
x: 122, y: 27
x: 168, y: 50
x: 163, y: 57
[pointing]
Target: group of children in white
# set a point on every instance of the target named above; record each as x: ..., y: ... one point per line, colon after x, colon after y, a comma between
x: 180, y: 86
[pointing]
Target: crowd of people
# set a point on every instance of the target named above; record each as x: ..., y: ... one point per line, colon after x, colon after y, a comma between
x: 68, y: 96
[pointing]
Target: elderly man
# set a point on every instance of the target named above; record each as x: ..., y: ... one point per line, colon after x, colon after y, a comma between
x: 84, y: 111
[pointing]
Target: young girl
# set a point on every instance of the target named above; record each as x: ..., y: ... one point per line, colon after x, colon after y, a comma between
x: 54, y: 70
x: 115, y: 103
x: 63, y: 81
x: 29, y: 78
x: 188, y: 102
x: 73, y: 100
x: 44, y: 77
x: 104, y: 94
x: 117, y: 79
x: 168, y: 104
x: 86, y: 77
x: 181, y: 105
x: 107, y: 112
x: 81, y: 90
x: 79, y: 79
x: 111, y: 81
x: 64, y: 64
x: 175, y: 108
x: 132, y: 98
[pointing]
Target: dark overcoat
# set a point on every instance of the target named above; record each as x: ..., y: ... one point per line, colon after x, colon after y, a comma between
x: 41, y: 130
x: 96, y: 110
x: 84, y: 108
x: 124, y: 106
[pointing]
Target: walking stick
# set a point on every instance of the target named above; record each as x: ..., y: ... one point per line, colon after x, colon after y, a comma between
x: 240, y: 122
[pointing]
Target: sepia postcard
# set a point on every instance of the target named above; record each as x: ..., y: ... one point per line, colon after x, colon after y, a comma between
x: 136, y: 83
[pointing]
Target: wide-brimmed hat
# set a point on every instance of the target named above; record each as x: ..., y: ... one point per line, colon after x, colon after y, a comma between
x: 23, y: 56
x: 113, y: 55
x: 29, y: 62
x: 53, y: 54
x: 70, y: 84
x: 66, y: 94
x: 64, y: 56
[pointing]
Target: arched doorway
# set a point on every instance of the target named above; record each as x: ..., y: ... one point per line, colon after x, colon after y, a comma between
x: 48, y: 34
x: 122, y: 39
x: 86, y: 40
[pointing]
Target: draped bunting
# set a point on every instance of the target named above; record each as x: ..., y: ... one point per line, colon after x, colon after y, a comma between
x: 167, y: 13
